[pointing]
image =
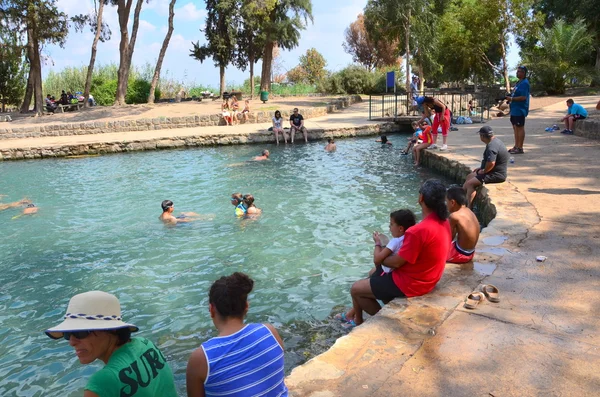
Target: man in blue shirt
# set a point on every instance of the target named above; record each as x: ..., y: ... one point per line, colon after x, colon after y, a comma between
x: 574, y: 112
x: 519, y: 109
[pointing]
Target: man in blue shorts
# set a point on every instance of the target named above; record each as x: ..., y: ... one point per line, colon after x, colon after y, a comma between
x: 493, y: 167
x: 519, y: 109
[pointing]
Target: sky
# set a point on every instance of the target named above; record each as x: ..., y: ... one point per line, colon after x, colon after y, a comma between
x: 326, y: 34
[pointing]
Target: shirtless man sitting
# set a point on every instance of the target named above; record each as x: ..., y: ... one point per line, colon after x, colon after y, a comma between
x: 464, y: 225
x: 167, y: 216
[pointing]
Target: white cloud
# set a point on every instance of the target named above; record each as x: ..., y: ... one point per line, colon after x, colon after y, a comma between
x: 145, y: 27
x: 190, y: 13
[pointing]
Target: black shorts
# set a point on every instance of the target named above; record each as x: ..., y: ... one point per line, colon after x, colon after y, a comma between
x: 578, y: 117
x: 491, y: 178
x: 519, y: 121
x: 383, y: 287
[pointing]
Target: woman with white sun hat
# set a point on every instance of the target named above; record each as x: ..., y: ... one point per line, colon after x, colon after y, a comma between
x: 133, y: 366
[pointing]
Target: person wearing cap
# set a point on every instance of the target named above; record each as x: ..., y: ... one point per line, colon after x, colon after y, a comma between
x: 519, y: 109
x: 132, y: 366
x: 493, y: 167
x: 440, y: 120
x: 574, y: 112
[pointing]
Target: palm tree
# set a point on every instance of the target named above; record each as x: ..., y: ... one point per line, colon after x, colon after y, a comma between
x: 282, y: 29
x: 562, y: 53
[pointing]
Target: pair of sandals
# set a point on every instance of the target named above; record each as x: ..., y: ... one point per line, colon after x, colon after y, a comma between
x: 488, y: 291
x: 346, y: 323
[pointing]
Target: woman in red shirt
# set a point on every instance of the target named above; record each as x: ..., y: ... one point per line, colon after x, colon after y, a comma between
x: 420, y: 262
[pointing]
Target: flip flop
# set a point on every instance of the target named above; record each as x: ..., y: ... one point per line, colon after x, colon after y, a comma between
x: 473, y: 300
x: 490, y: 292
x: 342, y: 317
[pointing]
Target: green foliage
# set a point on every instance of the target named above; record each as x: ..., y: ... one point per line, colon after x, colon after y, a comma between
x: 12, y: 71
x: 104, y: 84
x: 355, y: 79
x: 561, y: 54
x: 314, y: 65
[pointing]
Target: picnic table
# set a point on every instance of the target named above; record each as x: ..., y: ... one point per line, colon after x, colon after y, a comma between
x: 75, y: 106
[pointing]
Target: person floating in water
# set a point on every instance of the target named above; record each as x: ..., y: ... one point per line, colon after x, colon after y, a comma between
x: 14, y: 204
x: 251, y: 209
x: 330, y: 145
x: 168, y: 218
x: 264, y: 156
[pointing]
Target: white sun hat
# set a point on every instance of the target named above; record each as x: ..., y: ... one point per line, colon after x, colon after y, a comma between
x: 91, y: 311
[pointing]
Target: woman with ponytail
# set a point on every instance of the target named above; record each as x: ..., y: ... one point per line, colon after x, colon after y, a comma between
x: 419, y: 264
x: 244, y: 359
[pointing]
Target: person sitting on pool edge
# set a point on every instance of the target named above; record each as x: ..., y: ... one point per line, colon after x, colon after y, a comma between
x: 494, y: 165
x: 419, y: 264
x: 464, y: 225
x: 244, y: 359
x: 168, y: 218
x: 264, y: 156
x: 132, y: 366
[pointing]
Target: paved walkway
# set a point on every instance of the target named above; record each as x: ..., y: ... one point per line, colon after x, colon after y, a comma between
x: 543, y: 338
x: 354, y: 116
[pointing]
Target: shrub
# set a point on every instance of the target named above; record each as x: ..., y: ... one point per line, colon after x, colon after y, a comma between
x: 356, y: 80
x: 332, y: 84
x: 138, y: 90
x: 104, y: 91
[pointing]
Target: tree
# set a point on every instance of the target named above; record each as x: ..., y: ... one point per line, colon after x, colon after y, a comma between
x: 297, y: 75
x: 40, y: 23
x: 12, y: 70
x: 366, y: 51
x: 560, y: 55
x: 127, y: 44
x: 282, y: 28
x: 251, y: 38
x: 163, y: 50
x: 570, y: 12
x: 313, y: 64
x: 221, y: 36
x: 101, y: 33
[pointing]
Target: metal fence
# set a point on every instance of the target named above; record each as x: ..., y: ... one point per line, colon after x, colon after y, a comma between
x: 392, y: 106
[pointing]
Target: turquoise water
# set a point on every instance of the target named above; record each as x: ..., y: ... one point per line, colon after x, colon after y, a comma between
x: 97, y: 228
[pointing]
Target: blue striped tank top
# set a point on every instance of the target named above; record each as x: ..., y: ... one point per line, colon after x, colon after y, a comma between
x: 247, y: 363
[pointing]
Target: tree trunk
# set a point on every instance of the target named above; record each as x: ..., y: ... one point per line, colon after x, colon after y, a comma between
x: 407, y: 39
x: 163, y: 50
x: 504, y: 63
x: 251, y: 60
x: 37, y: 82
x: 123, y: 10
x: 222, y: 80
x: 30, y: 78
x: 421, y: 78
x: 88, y: 78
x: 265, y: 77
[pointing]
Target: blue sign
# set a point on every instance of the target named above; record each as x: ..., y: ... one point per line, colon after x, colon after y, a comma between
x: 391, y: 80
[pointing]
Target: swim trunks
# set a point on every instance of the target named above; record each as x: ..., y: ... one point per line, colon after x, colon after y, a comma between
x: 459, y: 255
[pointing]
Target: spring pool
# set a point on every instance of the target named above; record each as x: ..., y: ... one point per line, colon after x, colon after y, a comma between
x: 97, y: 228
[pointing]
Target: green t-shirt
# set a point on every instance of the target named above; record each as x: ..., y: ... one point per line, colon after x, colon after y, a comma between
x: 137, y: 369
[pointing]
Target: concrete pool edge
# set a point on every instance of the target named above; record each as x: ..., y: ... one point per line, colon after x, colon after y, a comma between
x: 103, y: 144
x: 361, y: 362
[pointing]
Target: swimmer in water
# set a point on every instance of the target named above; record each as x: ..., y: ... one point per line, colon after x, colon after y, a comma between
x: 384, y: 140
x: 330, y: 145
x: 264, y: 156
x: 237, y: 201
x: 14, y: 204
x: 251, y: 209
x: 29, y: 210
x: 167, y: 216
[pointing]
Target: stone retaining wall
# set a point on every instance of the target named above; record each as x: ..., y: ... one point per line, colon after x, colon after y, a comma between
x: 181, y: 142
x: 588, y: 128
x: 160, y: 123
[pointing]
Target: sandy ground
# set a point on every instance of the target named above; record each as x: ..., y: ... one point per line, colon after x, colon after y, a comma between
x: 104, y: 113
